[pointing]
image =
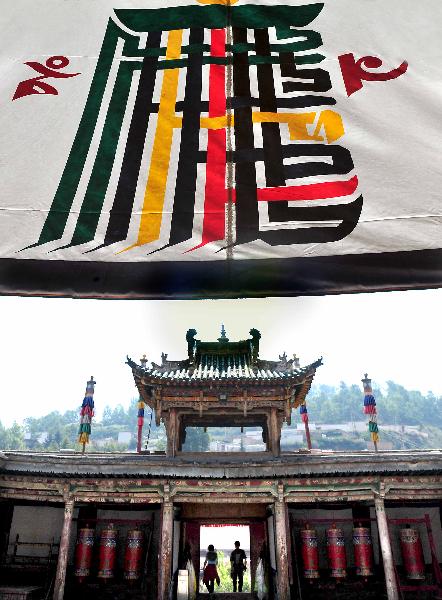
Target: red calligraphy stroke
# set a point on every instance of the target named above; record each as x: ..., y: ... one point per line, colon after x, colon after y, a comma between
x: 354, y: 74
x: 37, y: 85
x: 215, y: 193
x: 311, y: 191
x: 290, y: 193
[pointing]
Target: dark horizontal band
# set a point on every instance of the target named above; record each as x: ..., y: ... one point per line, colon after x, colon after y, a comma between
x: 385, y: 271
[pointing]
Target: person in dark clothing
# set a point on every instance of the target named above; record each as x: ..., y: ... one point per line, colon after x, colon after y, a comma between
x: 238, y: 563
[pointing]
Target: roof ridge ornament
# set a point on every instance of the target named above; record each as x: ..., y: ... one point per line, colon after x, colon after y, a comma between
x: 191, y: 343
x: 256, y: 336
x: 223, y: 337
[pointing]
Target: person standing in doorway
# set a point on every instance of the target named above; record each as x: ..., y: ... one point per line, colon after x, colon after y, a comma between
x: 210, y: 570
x: 238, y: 563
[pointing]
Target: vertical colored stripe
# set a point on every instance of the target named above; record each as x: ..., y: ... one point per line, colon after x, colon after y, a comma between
x: 272, y: 146
x: 247, y: 218
x: 184, y: 202
x: 94, y: 196
x: 121, y: 211
x: 215, y: 193
x: 155, y: 192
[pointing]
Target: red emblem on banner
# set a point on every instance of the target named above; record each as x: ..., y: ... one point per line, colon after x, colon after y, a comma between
x: 37, y: 85
x: 354, y: 73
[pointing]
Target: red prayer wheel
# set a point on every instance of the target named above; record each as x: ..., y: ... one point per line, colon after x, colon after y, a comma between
x: 412, y: 554
x: 336, y: 552
x: 310, y: 558
x: 107, y: 554
x: 83, y: 553
x: 133, y: 555
x: 363, y: 549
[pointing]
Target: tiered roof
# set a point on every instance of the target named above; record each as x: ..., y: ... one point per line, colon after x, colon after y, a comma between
x: 224, y: 361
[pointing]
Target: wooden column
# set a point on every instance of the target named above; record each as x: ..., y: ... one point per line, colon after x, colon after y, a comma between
x: 165, y: 554
x: 281, y: 549
x: 387, y: 555
x: 308, y: 439
x: 60, y: 576
x: 6, y: 514
x: 274, y: 432
x: 172, y: 432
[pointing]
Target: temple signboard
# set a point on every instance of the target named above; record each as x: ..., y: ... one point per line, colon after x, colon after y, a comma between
x: 224, y: 147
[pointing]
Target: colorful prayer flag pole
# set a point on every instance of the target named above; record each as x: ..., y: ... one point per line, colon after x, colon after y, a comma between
x: 141, y: 406
x: 304, y: 416
x: 86, y: 414
x: 370, y: 410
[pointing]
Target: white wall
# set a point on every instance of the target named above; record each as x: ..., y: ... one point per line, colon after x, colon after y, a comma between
x: 36, y: 524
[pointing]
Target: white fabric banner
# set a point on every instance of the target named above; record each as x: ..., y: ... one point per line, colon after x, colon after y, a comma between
x: 203, y: 132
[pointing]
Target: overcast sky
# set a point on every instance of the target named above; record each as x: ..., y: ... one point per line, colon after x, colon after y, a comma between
x: 50, y: 347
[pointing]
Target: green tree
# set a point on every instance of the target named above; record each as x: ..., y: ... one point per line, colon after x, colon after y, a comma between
x: 196, y: 440
x: 107, y: 416
x: 14, y: 439
x: 160, y: 444
x: 2, y: 437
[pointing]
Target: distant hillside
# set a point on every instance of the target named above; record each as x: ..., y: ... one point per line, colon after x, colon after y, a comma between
x: 407, y: 419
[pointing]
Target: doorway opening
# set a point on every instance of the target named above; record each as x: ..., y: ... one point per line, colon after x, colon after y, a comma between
x: 223, y: 538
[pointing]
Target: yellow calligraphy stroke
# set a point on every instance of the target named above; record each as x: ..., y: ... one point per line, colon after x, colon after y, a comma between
x: 329, y: 126
x: 329, y: 120
x: 154, y: 195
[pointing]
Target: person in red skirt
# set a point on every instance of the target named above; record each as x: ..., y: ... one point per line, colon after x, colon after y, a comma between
x: 210, y: 570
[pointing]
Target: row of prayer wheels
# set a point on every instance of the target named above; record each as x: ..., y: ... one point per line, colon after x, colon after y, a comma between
x: 107, y: 554
x: 411, y: 548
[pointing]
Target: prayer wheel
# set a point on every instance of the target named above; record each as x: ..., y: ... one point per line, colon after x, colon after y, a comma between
x: 310, y: 558
x: 83, y: 553
x: 412, y: 554
x: 133, y: 555
x: 107, y: 553
x: 336, y: 552
x: 363, y: 549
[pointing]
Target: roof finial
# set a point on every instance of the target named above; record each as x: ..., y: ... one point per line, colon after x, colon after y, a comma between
x: 223, y: 337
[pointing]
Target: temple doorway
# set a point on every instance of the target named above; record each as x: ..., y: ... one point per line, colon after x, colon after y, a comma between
x: 222, y: 537
x: 221, y: 524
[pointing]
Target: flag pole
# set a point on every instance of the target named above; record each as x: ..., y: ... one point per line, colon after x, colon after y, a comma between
x: 86, y: 414
x: 304, y: 416
x: 370, y: 410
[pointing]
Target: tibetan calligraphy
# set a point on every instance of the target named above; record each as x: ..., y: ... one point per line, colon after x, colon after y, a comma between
x: 190, y: 148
